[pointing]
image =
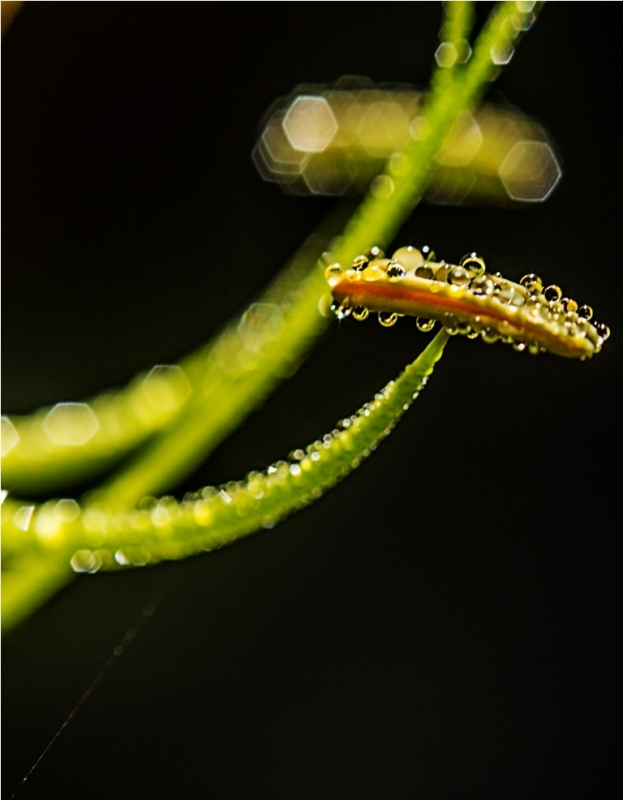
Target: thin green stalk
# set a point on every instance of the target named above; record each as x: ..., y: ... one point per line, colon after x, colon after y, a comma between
x: 177, y: 451
x: 29, y: 583
x: 97, y: 536
x: 128, y: 417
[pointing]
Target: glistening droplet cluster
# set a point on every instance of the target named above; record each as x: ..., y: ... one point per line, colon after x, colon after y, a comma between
x: 97, y: 535
x: 465, y: 299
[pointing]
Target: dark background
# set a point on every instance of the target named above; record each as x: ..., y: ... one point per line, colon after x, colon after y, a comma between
x: 444, y: 623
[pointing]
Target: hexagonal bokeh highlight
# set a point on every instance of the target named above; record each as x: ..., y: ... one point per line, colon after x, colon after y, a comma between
x: 446, y: 55
x: 10, y: 437
x: 166, y: 387
x: 462, y: 143
x: 530, y: 171
x: 384, y: 128
x: 310, y: 124
x: 70, y: 424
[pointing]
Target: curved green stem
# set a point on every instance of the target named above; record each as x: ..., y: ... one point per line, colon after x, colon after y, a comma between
x: 100, y: 535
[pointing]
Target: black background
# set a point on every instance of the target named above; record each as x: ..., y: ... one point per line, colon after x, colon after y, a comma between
x: 444, y: 623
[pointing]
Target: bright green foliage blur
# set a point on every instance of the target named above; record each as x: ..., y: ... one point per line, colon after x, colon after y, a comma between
x: 173, y: 418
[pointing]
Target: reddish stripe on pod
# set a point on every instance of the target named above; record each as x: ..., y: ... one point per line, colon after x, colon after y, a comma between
x: 404, y: 299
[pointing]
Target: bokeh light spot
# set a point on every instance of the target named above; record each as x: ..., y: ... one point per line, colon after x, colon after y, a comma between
x: 10, y: 437
x: 530, y: 171
x: 310, y: 124
x: 70, y: 424
x: 446, y: 55
x: 166, y: 387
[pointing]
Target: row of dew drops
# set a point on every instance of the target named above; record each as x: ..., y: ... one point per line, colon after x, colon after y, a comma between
x: 545, y: 304
x: 204, y: 509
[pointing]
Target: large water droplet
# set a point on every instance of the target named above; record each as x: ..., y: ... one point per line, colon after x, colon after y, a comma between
x: 489, y: 335
x: 532, y: 283
x: 504, y: 292
x: 552, y: 293
x: 395, y: 272
x: 586, y: 312
x: 375, y: 252
x: 458, y: 276
x: 482, y: 286
x: 473, y: 263
x: 332, y: 274
x: 441, y: 274
x: 409, y: 257
x: 386, y: 319
x: 451, y: 324
x: 360, y: 313
x: 425, y: 325
x: 425, y: 272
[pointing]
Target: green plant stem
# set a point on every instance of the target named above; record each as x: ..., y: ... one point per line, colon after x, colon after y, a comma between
x: 29, y: 583
x: 127, y: 419
x: 177, y: 451
x: 101, y: 537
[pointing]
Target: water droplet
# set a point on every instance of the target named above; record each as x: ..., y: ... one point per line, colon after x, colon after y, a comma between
x: 425, y: 325
x: 375, y: 252
x: 360, y: 313
x: 429, y: 255
x: 341, y: 312
x: 489, y: 335
x: 534, y: 349
x: 532, y: 283
x: 386, y: 319
x: 373, y: 272
x: 519, y: 346
x: 570, y: 305
x: 482, y: 286
x: 504, y: 292
x: 425, y: 272
x: 602, y: 329
x: 552, y: 293
x: 395, y: 272
x: 586, y: 312
x: 451, y: 325
x: 295, y: 469
x: 332, y: 274
x: 441, y: 275
x: 360, y: 263
x: 474, y: 263
x: 409, y: 257
x: 458, y: 276
x: 472, y: 334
